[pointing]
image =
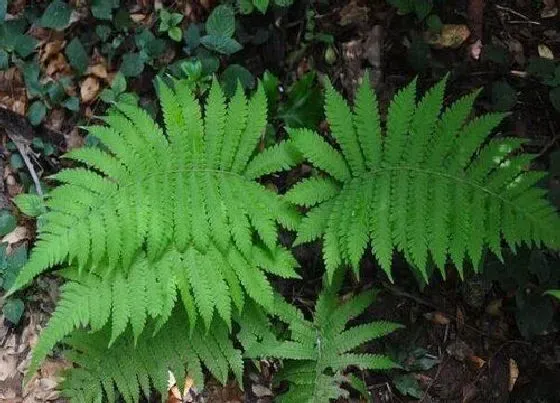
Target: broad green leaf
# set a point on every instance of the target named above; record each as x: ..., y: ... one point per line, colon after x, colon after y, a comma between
x: 56, y: 16
x: 7, y: 222
x: 234, y: 74
x: 132, y: 64
x: 77, y: 55
x: 221, y: 44
x: 13, y: 310
x: 72, y: 104
x: 3, y: 9
x: 14, y: 263
x: 102, y: 9
x: 221, y: 22
x: 261, y: 5
x: 4, y: 61
x: 36, y: 112
x: 25, y: 45
x: 30, y: 204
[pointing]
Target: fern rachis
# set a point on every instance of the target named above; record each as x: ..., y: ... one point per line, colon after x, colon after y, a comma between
x: 429, y: 185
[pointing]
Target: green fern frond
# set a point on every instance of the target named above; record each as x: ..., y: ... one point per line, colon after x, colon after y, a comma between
x: 131, y: 368
x: 318, y: 352
x: 432, y: 186
x: 158, y: 214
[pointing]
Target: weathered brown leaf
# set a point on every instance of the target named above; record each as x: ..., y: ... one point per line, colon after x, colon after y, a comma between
x: 451, y: 36
x: 89, y: 88
x: 438, y: 318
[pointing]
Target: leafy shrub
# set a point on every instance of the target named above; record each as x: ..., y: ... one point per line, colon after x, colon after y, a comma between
x: 432, y: 186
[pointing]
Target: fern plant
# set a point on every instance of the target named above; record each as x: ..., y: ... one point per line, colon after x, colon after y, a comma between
x: 132, y: 367
x: 319, y: 351
x: 155, y: 215
x: 430, y: 184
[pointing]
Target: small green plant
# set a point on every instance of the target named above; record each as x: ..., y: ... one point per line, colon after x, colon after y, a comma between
x: 117, y: 91
x: 317, y: 353
x: 15, y: 44
x: 548, y: 72
x: 169, y: 23
x: 422, y: 9
x: 248, y: 6
x: 45, y: 95
x: 432, y: 186
x: 10, y: 265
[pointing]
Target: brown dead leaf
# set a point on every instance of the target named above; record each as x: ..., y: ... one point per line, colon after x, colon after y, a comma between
x: 57, y: 64
x: 98, y: 70
x: 438, y: 318
x: 189, y: 382
x: 17, y: 235
x: 459, y: 350
x: 550, y: 9
x: 513, y: 373
x: 137, y: 18
x: 174, y: 395
x: 89, y: 88
x: 451, y: 36
x: 477, y: 361
x: 476, y: 50
x: 51, y: 49
x: 545, y: 52
x: 73, y: 139
x: 353, y: 14
x: 55, y: 119
x: 8, y: 365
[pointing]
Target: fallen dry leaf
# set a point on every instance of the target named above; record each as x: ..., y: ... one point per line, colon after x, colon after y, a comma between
x: 545, y: 52
x: 55, y: 119
x: 8, y: 365
x: 550, y: 9
x: 451, y: 36
x: 513, y: 373
x: 476, y: 50
x: 438, y: 318
x: 353, y: 14
x: 98, y: 70
x: 18, y: 234
x: 477, y: 361
x: 137, y: 18
x: 89, y: 88
x: 174, y: 395
x: 57, y: 64
x: 459, y: 350
x: 50, y: 49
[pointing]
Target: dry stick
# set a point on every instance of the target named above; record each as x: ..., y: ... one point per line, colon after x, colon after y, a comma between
x: 23, y: 149
x: 434, y: 379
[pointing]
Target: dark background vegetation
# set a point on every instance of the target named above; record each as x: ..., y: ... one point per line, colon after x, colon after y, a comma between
x: 491, y: 338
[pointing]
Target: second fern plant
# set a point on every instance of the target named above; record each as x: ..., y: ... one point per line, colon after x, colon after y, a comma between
x: 430, y: 184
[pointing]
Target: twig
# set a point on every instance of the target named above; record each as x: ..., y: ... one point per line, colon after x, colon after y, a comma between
x: 24, y: 150
x: 434, y: 379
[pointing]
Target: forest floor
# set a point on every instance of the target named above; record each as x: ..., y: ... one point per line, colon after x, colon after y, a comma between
x: 490, y: 338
